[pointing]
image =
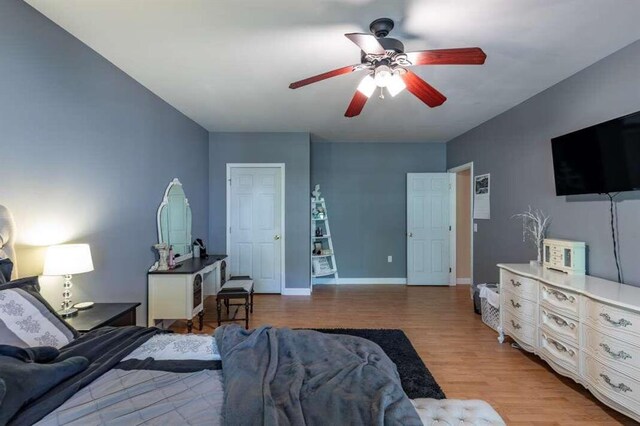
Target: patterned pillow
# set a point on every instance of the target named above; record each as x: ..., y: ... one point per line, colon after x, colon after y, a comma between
x: 26, y: 319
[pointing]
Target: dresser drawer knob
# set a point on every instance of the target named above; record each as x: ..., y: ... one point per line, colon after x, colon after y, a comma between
x: 620, y: 323
x: 620, y: 386
x: 515, y: 283
x: 516, y: 325
x: 515, y: 304
x: 615, y: 355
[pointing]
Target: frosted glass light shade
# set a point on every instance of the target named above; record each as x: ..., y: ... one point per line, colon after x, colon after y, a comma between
x: 367, y: 86
x: 396, y: 84
x: 68, y: 259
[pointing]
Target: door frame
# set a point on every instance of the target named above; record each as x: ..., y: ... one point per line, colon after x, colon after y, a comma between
x: 454, y: 171
x: 283, y: 239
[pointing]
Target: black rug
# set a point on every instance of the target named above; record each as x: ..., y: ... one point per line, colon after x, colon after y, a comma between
x: 416, y: 379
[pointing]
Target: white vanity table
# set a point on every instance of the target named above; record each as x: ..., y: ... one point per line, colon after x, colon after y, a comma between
x: 584, y: 327
x: 179, y: 292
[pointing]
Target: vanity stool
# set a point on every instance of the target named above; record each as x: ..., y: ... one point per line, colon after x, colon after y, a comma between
x: 240, y: 287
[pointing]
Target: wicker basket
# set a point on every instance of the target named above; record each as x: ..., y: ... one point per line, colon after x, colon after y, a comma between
x: 490, y: 314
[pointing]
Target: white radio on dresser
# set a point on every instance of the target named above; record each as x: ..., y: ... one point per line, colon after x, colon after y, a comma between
x: 584, y: 327
x: 564, y: 255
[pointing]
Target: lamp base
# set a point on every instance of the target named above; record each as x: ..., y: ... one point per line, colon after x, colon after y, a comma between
x: 68, y: 312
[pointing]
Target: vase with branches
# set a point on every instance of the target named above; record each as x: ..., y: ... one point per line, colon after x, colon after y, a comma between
x: 535, y: 224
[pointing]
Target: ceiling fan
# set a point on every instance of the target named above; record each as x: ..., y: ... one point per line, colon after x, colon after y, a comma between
x: 386, y: 64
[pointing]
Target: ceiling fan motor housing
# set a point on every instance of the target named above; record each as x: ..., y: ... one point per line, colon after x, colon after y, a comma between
x: 389, y: 44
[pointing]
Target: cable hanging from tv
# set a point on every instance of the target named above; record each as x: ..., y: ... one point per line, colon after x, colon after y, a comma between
x: 614, y: 227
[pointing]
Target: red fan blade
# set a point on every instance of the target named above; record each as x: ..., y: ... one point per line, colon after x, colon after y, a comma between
x: 356, y: 105
x: 368, y: 43
x: 323, y: 76
x: 423, y: 90
x: 465, y: 56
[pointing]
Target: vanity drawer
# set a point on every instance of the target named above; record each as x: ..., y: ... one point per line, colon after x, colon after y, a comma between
x: 519, y: 285
x: 520, y: 306
x: 564, y: 301
x: 559, y: 324
x: 611, y: 351
x: 615, y: 385
x: 559, y: 352
x: 615, y: 322
x: 518, y: 328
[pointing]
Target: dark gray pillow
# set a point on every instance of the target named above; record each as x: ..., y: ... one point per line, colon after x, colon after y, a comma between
x: 34, y: 321
x: 26, y: 381
x: 6, y: 268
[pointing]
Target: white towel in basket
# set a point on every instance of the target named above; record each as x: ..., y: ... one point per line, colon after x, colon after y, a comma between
x: 492, y: 297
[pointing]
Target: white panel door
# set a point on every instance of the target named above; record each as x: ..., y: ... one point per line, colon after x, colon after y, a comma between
x: 255, y: 226
x: 428, y: 229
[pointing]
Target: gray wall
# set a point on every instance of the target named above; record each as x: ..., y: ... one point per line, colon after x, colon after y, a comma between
x: 364, y: 185
x: 87, y: 153
x: 515, y: 148
x: 289, y: 148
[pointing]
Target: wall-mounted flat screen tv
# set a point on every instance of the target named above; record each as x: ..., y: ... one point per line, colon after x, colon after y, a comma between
x: 600, y: 159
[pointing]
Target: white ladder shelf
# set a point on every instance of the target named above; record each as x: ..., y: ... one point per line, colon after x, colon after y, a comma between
x: 327, y: 244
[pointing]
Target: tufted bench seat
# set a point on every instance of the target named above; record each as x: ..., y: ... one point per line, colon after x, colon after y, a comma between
x: 456, y: 412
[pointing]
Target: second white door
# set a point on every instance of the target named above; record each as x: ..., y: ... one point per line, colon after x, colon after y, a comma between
x: 428, y: 232
x: 255, y: 233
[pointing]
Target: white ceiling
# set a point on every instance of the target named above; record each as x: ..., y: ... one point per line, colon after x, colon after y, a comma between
x: 227, y: 64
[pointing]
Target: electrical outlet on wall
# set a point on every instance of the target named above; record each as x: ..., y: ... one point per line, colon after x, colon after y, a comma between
x: 475, y: 227
x: 389, y: 259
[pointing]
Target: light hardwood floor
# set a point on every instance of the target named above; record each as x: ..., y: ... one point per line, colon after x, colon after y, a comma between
x: 461, y: 352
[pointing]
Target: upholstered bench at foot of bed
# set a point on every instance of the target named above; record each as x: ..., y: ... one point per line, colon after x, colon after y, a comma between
x: 456, y: 412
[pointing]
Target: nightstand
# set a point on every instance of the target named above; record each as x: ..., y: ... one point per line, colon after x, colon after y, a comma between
x: 104, y: 314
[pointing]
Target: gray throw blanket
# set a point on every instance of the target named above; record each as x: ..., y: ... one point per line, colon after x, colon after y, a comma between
x: 301, y: 377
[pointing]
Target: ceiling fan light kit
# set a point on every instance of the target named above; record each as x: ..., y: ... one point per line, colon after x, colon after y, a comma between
x: 386, y: 64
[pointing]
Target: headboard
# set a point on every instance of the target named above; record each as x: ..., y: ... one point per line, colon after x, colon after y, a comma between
x: 7, y: 238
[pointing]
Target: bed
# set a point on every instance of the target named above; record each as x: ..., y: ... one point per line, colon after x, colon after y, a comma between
x: 50, y: 375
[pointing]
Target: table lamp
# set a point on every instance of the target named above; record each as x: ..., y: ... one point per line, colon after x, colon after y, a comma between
x: 65, y: 260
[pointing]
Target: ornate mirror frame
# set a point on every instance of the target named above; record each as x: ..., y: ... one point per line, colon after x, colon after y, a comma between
x: 175, y: 194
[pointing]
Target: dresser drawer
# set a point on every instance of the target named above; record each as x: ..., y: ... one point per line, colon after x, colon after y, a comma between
x: 559, y: 324
x: 524, y: 308
x: 610, y: 351
x: 615, y: 385
x: 516, y: 327
x: 615, y: 322
x: 560, y: 300
x: 559, y: 352
x: 519, y: 285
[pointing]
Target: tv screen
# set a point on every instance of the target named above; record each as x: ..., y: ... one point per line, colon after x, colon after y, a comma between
x: 600, y: 159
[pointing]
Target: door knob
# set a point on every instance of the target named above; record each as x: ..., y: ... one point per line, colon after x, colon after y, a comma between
x: 410, y: 234
x: 277, y: 237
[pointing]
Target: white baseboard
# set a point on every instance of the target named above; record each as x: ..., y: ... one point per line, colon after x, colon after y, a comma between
x: 296, y: 292
x: 399, y: 281
x: 463, y: 281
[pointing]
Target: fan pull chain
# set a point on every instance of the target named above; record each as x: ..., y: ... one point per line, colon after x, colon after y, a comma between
x: 381, y: 93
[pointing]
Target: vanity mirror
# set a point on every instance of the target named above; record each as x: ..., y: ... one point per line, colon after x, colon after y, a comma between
x: 174, y: 221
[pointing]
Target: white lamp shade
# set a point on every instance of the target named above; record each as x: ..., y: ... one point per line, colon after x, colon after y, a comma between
x: 68, y: 259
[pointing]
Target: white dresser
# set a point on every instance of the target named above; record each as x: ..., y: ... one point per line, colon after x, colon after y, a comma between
x: 584, y: 327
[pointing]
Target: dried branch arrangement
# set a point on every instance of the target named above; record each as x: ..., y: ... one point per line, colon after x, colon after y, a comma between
x: 534, y: 228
